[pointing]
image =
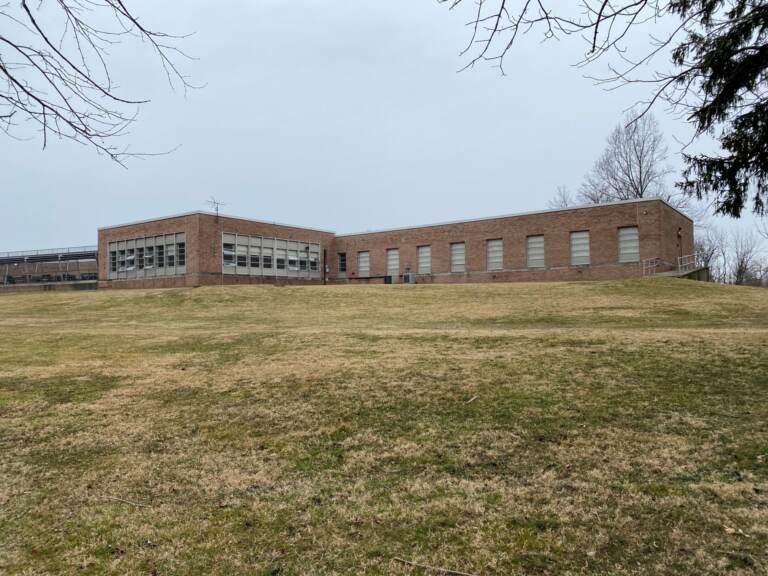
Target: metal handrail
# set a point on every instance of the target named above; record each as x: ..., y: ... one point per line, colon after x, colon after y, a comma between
x: 689, y: 262
x: 48, y: 251
x: 650, y: 265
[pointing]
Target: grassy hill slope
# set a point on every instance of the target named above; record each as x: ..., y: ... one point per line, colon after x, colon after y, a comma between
x: 492, y: 429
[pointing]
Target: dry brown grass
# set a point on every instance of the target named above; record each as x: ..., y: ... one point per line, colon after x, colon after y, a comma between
x: 617, y: 428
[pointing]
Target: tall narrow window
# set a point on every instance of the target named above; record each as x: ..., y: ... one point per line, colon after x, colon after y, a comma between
x: 170, y: 255
x: 363, y: 264
x: 149, y: 257
x: 181, y: 254
x: 255, y: 257
x: 160, y: 256
x: 580, y: 248
x: 280, y: 259
x: 242, y: 255
x: 342, y: 262
x: 266, y: 258
x: 113, y: 261
x: 314, y: 262
x: 293, y: 260
x: 140, y: 258
x: 393, y: 262
x: 494, y: 254
x: 629, y: 244
x: 457, y: 257
x: 535, y: 251
x: 229, y: 254
x: 424, y: 259
x: 130, y: 259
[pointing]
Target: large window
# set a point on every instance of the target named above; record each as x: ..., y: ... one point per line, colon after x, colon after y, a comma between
x: 629, y: 244
x: 457, y: 257
x: 147, y: 257
x: 535, y: 251
x: 363, y: 264
x: 494, y: 254
x: 261, y: 256
x: 580, y: 248
x: 393, y: 262
x: 424, y: 259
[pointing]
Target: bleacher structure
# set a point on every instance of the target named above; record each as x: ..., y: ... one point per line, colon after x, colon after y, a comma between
x: 75, y: 265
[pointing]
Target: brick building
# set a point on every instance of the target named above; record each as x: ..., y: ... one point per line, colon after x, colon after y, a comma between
x: 591, y: 242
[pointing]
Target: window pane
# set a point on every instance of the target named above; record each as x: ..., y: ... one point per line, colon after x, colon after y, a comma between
x: 535, y: 251
x: 342, y: 262
x: 293, y: 260
x: 629, y: 244
x: 363, y: 264
x: 160, y: 256
x: 393, y: 262
x: 580, y: 248
x: 457, y: 257
x: 494, y: 250
x: 424, y: 259
x: 242, y: 255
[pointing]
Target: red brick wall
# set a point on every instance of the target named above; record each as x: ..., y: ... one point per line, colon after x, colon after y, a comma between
x: 203, y: 247
x: 654, y: 219
x: 658, y: 226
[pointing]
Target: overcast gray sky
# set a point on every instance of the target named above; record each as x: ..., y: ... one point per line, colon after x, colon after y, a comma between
x: 341, y: 115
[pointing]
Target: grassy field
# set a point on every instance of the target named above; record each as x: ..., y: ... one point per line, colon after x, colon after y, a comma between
x: 593, y: 428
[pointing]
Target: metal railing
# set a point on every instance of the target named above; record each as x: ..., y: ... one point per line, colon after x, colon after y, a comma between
x: 48, y: 251
x: 650, y: 266
x: 689, y: 262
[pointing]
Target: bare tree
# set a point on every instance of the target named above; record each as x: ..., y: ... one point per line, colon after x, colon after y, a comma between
x: 715, y: 77
x: 711, y: 245
x: 633, y: 165
x: 561, y: 199
x: 745, y: 267
x: 55, y: 74
x: 762, y: 227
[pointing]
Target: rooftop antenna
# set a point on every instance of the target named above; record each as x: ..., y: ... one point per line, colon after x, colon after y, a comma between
x: 215, y: 204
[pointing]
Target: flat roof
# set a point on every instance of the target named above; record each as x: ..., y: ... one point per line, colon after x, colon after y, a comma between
x: 533, y: 213
x: 485, y: 218
x: 206, y: 213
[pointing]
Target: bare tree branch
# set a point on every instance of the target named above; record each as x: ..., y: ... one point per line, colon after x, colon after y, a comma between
x: 64, y: 86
